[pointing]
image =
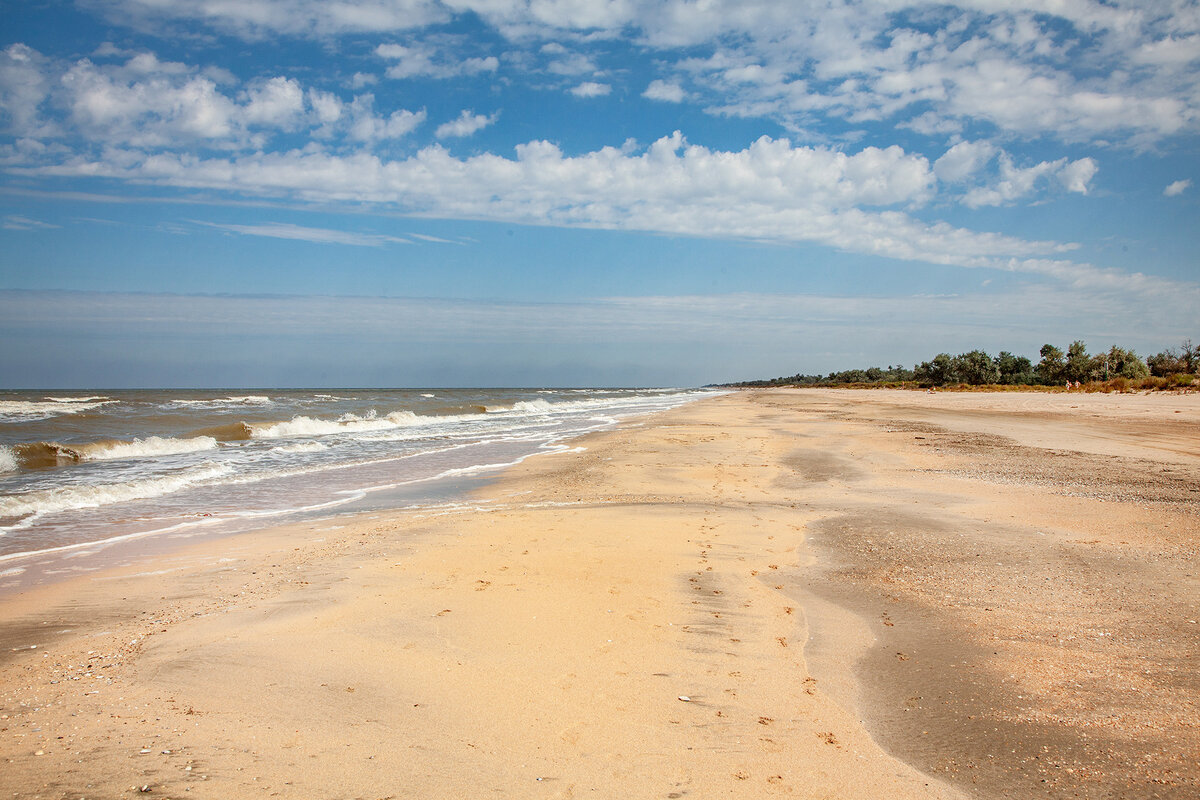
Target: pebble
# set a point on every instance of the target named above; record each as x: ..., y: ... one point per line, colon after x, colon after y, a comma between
x: 685, y: 698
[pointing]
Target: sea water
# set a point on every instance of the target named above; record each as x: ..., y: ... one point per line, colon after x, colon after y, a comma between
x: 78, y: 469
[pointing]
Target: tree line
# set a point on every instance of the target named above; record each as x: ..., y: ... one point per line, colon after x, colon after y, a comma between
x: 1116, y: 368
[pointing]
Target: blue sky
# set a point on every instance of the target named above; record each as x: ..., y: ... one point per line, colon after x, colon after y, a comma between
x: 587, y: 192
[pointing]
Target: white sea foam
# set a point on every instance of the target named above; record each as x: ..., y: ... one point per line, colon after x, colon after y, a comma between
x: 77, y: 399
x: 236, y: 400
x: 538, y: 406
x: 347, y: 423
x: 301, y: 447
x: 8, y: 460
x: 34, y: 409
x: 150, y: 446
x: 67, y: 498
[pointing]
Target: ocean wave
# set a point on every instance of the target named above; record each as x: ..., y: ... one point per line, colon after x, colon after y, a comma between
x: 69, y: 498
x: 233, y: 432
x: 77, y: 399
x: 236, y: 400
x: 150, y: 446
x: 52, y: 454
x: 8, y: 460
x: 347, y: 423
x: 35, y: 409
x: 538, y: 406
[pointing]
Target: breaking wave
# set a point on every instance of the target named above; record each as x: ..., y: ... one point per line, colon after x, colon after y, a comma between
x: 347, y: 423
x: 538, y: 406
x: 52, y: 454
x: 239, y: 400
x: 8, y: 460
x: 50, y: 407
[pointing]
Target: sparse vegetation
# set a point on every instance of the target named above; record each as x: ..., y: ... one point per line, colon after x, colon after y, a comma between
x: 1113, y: 370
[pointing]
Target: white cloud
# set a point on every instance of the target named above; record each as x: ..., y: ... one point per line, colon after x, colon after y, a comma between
x: 148, y: 103
x: 284, y: 230
x: 572, y: 64
x: 963, y: 160
x: 591, y: 89
x: 366, y: 126
x: 24, y: 86
x: 278, y: 102
x: 1016, y: 182
x: 1076, y: 176
x: 1079, y: 70
x: 255, y: 19
x: 770, y: 191
x: 17, y: 222
x: 665, y: 91
x: 1177, y: 188
x: 421, y: 60
x: 466, y: 124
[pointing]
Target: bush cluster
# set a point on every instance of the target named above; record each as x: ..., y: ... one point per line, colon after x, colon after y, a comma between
x: 1115, y: 369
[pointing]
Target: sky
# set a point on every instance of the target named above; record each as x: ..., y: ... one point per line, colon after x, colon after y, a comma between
x: 587, y: 192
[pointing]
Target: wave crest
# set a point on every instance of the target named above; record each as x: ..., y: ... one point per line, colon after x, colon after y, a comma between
x: 53, y: 454
x: 51, y: 407
x: 347, y: 423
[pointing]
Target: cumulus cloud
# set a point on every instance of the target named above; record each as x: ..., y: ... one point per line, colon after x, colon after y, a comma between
x: 1016, y: 182
x: 412, y: 61
x: 771, y: 191
x: 148, y: 103
x: 466, y: 124
x: 24, y: 86
x: 591, y: 89
x: 255, y: 19
x: 1076, y: 176
x: 367, y: 126
x: 1177, y: 188
x: 664, y: 91
x: 963, y: 160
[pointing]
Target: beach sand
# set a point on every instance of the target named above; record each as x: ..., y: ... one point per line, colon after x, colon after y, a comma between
x: 804, y: 593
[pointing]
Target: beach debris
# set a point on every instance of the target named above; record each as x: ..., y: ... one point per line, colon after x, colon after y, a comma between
x: 684, y: 698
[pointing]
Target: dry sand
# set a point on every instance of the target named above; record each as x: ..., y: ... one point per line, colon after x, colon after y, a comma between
x: 816, y: 594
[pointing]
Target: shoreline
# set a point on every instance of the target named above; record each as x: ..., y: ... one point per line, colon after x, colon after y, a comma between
x: 677, y: 610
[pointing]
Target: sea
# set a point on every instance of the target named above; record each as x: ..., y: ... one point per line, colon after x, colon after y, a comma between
x: 82, y: 470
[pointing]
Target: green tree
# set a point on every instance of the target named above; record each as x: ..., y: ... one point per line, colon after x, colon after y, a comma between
x: 1118, y: 363
x: 1052, y: 367
x: 1014, y: 369
x: 937, y: 372
x: 1079, y: 364
x: 976, y: 368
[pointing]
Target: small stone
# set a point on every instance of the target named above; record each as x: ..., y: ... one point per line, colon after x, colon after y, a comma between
x: 685, y: 698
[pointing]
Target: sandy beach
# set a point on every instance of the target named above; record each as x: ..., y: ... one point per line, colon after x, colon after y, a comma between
x: 803, y: 593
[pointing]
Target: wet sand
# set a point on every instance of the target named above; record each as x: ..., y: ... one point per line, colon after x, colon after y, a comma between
x: 802, y: 593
